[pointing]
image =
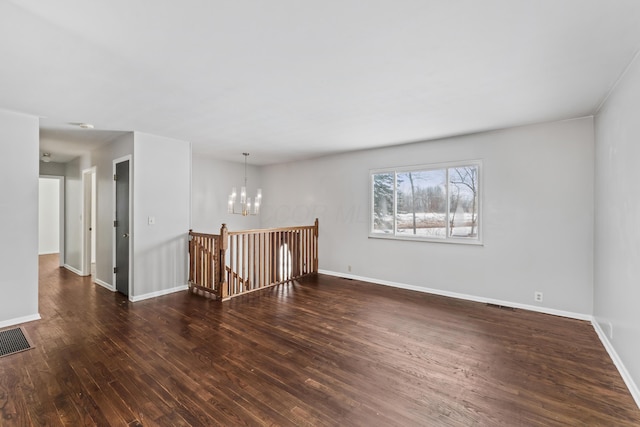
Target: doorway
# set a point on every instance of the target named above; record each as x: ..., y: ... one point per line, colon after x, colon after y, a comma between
x: 51, y: 216
x: 121, y: 224
x: 89, y: 221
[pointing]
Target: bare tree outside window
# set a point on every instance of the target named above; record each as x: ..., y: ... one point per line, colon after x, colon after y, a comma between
x: 464, y: 201
x: 422, y: 203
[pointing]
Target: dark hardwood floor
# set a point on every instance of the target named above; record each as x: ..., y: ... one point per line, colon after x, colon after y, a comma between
x: 318, y: 352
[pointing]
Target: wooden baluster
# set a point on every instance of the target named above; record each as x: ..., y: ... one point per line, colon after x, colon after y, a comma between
x: 190, y: 257
x: 283, y: 256
x: 194, y: 260
x: 270, y: 257
x: 307, y: 265
x: 199, y: 262
x: 207, y: 267
x: 223, y: 282
x: 289, y: 255
x: 210, y: 263
x: 207, y: 272
x: 303, y: 255
x: 260, y: 266
x: 286, y: 259
x: 274, y: 258
x: 303, y: 234
x: 264, y: 258
x: 236, y: 270
x: 296, y: 272
x: 309, y: 251
x: 265, y: 266
x: 279, y: 256
x: 203, y: 249
x: 255, y: 260
x: 232, y: 262
x: 214, y: 260
x: 245, y: 262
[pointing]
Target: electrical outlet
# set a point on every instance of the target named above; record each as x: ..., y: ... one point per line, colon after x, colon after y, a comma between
x: 349, y: 268
x: 537, y: 296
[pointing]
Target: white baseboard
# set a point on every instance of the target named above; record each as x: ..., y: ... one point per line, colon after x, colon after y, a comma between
x: 134, y: 298
x: 48, y: 253
x: 73, y: 270
x: 631, y: 385
x: 475, y: 298
x: 18, y: 320
x: 104, y: 284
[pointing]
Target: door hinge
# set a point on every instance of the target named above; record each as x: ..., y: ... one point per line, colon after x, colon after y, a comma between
x: 115, y: 223
x: 115, y: 177
x: 115, y: 270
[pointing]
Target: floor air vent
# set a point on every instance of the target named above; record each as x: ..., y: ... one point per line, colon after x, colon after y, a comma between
x: 502, y: 307
x: 13, y: 341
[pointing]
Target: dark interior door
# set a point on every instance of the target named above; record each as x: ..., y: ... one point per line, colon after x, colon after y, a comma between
x: 122, y: 227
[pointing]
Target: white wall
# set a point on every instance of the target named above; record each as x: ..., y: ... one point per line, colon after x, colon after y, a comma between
x: 49, y: 216
x: 617, y: 221
x: 52, y: 168
x: 212, y: 181
x: 19, y: 140
x: 537, y: 225
x: 94, y: 215
x: 160, y: 183
x: 73, y: 214
x: 102, y: 159
x: 162, y: 177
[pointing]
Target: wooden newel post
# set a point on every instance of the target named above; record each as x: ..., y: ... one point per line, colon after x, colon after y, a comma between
x: 191, y: 261
x: 315, y: 233
x: 222, y: 268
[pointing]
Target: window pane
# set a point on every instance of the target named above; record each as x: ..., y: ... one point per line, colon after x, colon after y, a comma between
x: 383, y: 203
x: 422, y: 203
x: 463, y: 203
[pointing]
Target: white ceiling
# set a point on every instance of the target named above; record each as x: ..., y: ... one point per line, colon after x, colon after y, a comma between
x: 291, y: 79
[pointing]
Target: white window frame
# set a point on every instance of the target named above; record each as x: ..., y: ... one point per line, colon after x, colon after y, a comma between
x: 423, y: 168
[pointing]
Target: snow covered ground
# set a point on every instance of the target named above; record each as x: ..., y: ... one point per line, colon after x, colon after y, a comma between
x: 431, y: 224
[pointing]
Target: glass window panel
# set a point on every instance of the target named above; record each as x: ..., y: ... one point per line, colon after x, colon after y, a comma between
x: 383, y: 203
x: 421, y: 203
x: 463, y: 201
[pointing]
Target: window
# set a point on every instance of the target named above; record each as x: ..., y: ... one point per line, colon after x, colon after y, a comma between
x: 433, y: 202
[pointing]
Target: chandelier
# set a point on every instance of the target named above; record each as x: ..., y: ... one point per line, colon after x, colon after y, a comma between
x: 244, y: 208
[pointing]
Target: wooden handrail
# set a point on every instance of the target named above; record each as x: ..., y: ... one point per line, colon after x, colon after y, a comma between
x: 238, y: 262
x: 234, y: 275
x: 266, y: 230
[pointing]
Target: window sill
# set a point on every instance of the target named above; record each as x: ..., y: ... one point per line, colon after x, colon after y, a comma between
x: 451, y: 240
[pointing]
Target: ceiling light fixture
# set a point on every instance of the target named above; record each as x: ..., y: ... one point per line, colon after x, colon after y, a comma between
x: 245, y: 202
x: 46, y: 157
x: 86, y: 125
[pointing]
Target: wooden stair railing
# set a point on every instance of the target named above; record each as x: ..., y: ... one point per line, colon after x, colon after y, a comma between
x: 233, y: 276
x: 250, y: 260
x: 204, y: 262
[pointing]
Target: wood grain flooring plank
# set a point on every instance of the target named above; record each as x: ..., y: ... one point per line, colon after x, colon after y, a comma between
x: 322, y: 351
